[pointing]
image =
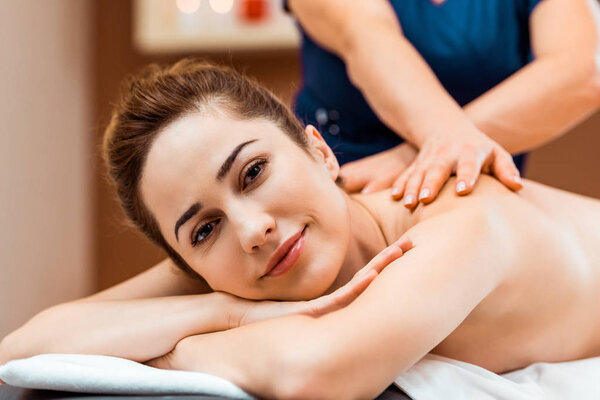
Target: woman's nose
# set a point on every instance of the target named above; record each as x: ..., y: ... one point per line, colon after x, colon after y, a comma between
x: 253, y: 227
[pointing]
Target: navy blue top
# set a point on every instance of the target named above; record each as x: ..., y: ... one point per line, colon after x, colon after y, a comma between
x: 471, y: 45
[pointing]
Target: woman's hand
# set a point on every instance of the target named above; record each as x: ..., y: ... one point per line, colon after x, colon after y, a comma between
x: 262, y: 310
x: 466, y: 155
x: 254, y: 311
x: 379, y: 171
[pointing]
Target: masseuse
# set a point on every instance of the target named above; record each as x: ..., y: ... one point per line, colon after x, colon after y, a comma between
x: 377, y: 73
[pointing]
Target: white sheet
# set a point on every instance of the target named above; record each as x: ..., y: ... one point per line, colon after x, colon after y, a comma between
x: 433, y: 377
x: 436, y: 377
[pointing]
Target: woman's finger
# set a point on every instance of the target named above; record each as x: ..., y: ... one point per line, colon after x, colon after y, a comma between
x: 468, y: 169
x: 387, y: 255
x: 506, y: 171
x: 412, y: 188
x: 435, y: 178
x: 359, y: 282
x: 340, y: 298
x: 364, y: 276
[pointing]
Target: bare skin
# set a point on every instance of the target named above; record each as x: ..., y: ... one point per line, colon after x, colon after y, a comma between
x: 547, y: 307
x: 497, y: 278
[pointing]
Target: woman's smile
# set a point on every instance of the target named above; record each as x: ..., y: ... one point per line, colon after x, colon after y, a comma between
x: 286, y: 255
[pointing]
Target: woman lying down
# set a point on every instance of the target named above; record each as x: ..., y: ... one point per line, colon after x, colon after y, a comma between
x: 244, y: 200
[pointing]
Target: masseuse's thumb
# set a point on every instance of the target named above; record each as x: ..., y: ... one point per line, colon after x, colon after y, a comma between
x: 376, y: 186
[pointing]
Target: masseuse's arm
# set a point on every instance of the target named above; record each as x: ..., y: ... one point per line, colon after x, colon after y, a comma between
x: 405, y: 93
x: 557, y: 90
x: 418, y: 300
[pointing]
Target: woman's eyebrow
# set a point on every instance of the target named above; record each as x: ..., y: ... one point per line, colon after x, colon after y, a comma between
x: 186, y: 216
x: 224, y: 170
x: 229, y: 161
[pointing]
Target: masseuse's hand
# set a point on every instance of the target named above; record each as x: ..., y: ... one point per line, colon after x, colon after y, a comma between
x: 379, y: 171
x: 254, y: 311
x: 466, y: 154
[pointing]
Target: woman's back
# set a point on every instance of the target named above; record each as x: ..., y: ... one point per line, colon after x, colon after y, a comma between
x: 546, y: 307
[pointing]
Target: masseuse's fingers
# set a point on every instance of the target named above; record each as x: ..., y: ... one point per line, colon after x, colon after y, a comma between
x: 377, y: 185
x: 399, y: 185
x: 503, y: 166
x: 435, y: 178
x: 378, y: 171
x: 468, y: 169
x: 353, y: 177
x: 413, y: 185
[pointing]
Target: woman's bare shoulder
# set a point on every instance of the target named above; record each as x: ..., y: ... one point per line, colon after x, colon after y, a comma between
x: 395, y: 219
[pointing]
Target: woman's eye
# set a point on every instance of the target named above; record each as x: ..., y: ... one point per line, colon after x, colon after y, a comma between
x: 253, y: 172
x: 203, y: 232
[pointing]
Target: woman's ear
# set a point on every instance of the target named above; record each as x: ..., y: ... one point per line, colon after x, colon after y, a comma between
x: 322, y: 151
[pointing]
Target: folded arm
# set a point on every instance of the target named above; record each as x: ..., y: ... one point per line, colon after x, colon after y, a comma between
x: 418, y: 300
x: 139, y: 319
x: 124, y: 322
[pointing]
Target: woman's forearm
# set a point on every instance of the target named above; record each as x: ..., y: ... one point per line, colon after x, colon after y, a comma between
x: 538, y: 103
x: 138, y: 330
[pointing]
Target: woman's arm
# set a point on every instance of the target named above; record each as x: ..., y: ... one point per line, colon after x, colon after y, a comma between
x: 458, y: 259
x: 557, y: 90
x: 136, y: 329
x: 120, y: 323
x: 139, y: 319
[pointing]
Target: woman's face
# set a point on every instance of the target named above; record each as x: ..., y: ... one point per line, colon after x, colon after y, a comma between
x: 228, y: 193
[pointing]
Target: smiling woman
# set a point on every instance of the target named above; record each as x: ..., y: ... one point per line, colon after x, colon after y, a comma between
x: 216, y: 171
x: 155, y: 98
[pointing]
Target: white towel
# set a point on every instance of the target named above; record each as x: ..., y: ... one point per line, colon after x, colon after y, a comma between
x: 436, y: 377
x: 111, y: 375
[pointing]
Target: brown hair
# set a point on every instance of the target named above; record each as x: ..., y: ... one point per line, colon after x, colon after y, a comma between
x: 158, y: 95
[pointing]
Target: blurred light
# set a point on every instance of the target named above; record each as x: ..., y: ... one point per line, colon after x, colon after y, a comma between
x: 188, y: 6
x: 221, y: 6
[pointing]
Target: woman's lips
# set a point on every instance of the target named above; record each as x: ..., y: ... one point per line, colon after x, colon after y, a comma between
x: 291, y: 256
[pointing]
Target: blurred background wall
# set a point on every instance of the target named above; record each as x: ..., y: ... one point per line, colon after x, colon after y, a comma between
x: 46, y: 135
x: 62, y: 233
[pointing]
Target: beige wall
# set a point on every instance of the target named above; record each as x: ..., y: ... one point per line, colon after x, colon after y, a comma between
x: 45, y: 163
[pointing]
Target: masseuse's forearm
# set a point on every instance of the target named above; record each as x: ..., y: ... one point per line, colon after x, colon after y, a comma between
x: 538, y: 103
x: 400, y: 86
x: 393, y: 77
x: 554, y: 92
x: 138, y: 329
